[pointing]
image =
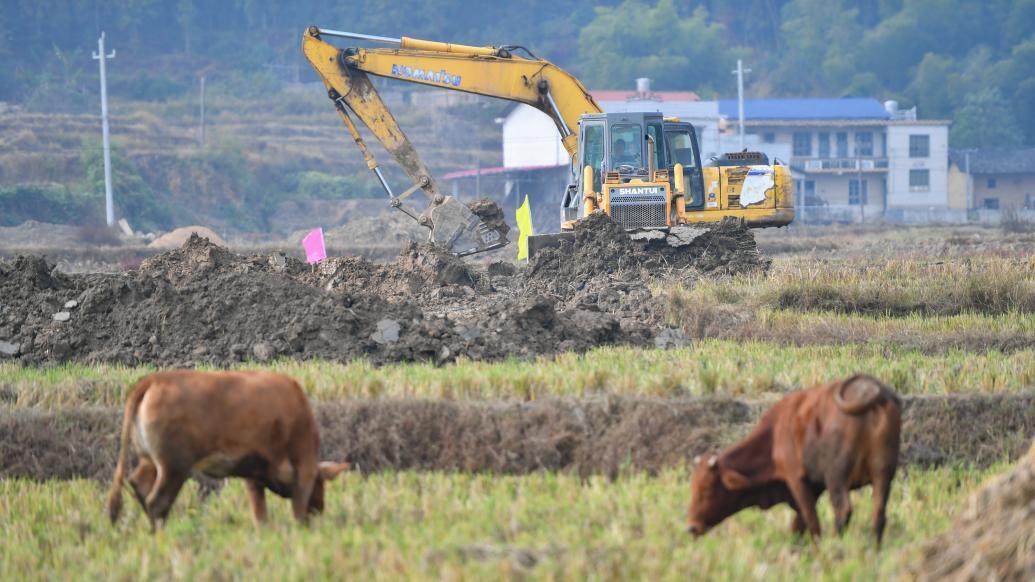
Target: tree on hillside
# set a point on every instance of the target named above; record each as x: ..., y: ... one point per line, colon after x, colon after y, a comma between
x: 985, y: 121
x: 637, y: 40
x: 818, y: 37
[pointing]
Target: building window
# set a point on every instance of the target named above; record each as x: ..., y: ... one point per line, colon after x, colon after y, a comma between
x: 864, y: 143
x: 842, y: 144
x: 991, y: 203
x: 824, y: 145
x: 992, y: 183
x: 802, y: 144
x: 768, y: 137
x: 919, y: 180
x: 858, y: 192
x: 919, y: 146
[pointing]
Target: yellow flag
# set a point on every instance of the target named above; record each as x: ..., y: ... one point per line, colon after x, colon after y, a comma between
x: 524, y: 222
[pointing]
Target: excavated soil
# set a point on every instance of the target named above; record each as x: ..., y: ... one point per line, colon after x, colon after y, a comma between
x: 585, y: 436
x: 202, y: 303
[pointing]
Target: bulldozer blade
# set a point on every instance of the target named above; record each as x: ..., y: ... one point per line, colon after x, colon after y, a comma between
x: 460, y: 231
x: 538, y: 242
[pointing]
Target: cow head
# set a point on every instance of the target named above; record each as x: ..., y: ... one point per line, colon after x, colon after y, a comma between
x: 716, y: 491
x: 327, y: 472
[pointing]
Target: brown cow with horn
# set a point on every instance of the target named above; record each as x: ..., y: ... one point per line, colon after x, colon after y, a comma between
x: 255, y: 425
x: 834, y: 437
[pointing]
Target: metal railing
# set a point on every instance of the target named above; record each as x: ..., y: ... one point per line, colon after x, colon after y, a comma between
x: 840, y: 164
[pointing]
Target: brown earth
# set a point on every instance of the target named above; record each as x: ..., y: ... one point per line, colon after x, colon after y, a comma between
x: 176, y: 238
x: 994, y: 535
x: 586, y: 436
x: 205, y: 304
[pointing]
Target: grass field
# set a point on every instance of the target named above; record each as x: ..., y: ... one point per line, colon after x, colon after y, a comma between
x: 709, y: 367
x: 463, y: 527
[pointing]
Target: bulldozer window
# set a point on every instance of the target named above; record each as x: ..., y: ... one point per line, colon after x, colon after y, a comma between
x: 681, y: 148
x: 626, y: 146
x: 593, y: 151
x: 655, y: 132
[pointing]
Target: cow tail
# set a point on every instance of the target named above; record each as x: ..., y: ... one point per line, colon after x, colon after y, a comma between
x: 869, y: 399
x: 128, y: 420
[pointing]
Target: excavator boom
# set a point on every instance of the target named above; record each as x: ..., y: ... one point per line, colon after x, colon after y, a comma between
x: 453, y: 225
x: 642, y: 170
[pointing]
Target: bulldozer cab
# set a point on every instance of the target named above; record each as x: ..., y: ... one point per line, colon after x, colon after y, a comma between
x: 630, y: 145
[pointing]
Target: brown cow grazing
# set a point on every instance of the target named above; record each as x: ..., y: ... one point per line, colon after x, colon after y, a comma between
x: 255, y: 425
x: 835, y: 437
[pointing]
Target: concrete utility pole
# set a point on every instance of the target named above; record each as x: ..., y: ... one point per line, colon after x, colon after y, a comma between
x: 109, y: 204
x: 202, y: 132
x: 740, y: 99
x: 970, y: 180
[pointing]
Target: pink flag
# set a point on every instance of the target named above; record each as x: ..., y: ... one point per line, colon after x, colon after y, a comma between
x: 313, y: 245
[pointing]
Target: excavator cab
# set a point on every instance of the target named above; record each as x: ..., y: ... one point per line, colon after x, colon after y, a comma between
x: 681, y: 140
x: 624, y: 166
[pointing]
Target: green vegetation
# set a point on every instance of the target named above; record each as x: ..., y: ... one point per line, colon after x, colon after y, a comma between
x: 936, y: 54
x: 462, y: 526
x: 42, y: 202
x: 710, y: 368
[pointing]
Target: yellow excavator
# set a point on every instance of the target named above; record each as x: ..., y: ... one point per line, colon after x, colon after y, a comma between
x: 642, y: 169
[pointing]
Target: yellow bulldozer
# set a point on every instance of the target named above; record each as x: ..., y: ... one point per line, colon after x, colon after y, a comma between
x: 642, y: 169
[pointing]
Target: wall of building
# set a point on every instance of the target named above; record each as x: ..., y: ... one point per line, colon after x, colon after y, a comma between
x: 1011, y: 190
x: 958, y: 180
x: 900, y: 194
x: 530, y: 138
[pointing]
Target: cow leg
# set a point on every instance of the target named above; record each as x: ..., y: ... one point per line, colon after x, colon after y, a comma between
x: 805, y: 500
x: 163, y: 494
x: 142, y: 481
x: 842, y: 503
x: 797, y: 524
x: 305, y: 477
x: 881, y: 492
x: 257, y: 497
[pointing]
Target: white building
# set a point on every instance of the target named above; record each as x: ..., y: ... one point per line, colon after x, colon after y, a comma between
x: 855, y: 159
x: 530, y: 138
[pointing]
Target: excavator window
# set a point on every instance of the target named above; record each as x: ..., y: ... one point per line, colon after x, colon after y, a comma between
x: 681, y: 146
x: 593, y: 151
x: 626, y: 146
x: 655, y: 132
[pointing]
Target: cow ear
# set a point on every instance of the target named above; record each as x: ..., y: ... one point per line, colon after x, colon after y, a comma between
x: 328, y: 471
x: 734, y: 480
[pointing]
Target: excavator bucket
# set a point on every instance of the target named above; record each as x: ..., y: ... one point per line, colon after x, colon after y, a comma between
x: 456, y: 228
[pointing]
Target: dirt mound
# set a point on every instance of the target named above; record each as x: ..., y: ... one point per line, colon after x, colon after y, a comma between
x: 604, y: 267
x: 994, y: 535
x: 388, y: 228
x: 203, y: 303
x: 420, y: 269
x: 178, y: 237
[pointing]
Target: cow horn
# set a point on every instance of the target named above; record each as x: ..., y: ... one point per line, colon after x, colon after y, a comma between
x: 712, y: 461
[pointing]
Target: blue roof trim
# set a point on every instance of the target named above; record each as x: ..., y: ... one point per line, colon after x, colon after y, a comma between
x: 820, y: 108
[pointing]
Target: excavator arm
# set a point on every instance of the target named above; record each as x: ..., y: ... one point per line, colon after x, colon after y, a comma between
x: 491, y: 71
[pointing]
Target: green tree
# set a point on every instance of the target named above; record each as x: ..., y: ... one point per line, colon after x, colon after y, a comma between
x: 818, y: 36
x: 985, y: 120
x: 637, y: 40
x: 133, y: 196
